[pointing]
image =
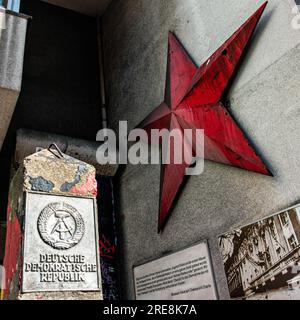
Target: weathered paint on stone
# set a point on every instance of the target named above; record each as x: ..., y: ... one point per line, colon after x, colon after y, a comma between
x: 13, y: 247
x: 13, y: 238
x: 40, y: 184
x: 75, y: 177
x: 46, y: 173
x: 87, y: 187
x: 67, y: 186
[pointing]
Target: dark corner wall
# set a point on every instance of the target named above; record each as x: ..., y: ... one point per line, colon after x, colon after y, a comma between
x: 60, y: 89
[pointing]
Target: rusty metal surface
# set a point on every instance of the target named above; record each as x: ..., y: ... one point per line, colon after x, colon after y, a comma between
x: 193, y: 101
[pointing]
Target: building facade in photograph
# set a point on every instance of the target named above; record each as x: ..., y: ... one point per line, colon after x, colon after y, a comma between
x: 263, y: 256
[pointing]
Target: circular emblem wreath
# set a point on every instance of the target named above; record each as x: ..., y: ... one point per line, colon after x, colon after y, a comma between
x: 60, y: 226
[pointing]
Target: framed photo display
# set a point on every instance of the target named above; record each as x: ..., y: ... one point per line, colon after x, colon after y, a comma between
x: 262, y: 259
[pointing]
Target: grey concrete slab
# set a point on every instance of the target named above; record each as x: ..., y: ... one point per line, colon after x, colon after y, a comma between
x: 264, y: 101
x: 8, y: 100
x: 12, y: 46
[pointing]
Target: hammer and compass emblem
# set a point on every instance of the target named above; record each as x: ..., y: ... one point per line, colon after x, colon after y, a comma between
x: 60, y: 225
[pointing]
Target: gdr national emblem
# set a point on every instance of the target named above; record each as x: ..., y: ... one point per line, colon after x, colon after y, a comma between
x: 60, y: 226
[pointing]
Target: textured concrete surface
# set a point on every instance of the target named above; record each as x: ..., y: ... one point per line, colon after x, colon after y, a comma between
x: 46, y: 171
x: 264, y: 100
x: 137, y: 46
x: 61, y: 296
x: 84, y: 150
x: 12, y: 46
x: 8, y: 100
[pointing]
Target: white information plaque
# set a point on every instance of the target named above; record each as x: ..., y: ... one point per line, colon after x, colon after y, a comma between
x: 184, y: 275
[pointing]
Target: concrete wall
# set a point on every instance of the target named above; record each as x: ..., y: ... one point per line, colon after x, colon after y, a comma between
x: 265, y: 101
x: 12, y: 46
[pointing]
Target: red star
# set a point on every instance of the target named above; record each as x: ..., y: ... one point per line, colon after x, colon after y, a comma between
x: 193, y: 101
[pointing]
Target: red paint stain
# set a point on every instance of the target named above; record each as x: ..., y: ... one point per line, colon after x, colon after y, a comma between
x: 89, y: 187
x: 9, y: 209
x: 107, y: 250
x: 12, y: 247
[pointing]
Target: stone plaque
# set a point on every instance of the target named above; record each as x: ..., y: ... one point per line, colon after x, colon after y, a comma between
x: 60, y: 245
x: 184, y: 275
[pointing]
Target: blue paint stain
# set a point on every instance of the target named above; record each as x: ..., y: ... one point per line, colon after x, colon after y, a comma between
x: 41, y: 184
x: 67, y: 186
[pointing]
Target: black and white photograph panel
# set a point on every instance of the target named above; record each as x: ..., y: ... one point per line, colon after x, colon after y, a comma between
x: 262, y: 259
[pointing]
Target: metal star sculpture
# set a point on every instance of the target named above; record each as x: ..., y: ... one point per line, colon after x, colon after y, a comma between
x: 193, y: 101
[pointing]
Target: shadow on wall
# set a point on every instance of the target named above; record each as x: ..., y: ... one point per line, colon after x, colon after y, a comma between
x: 60, y: 90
